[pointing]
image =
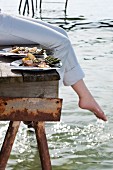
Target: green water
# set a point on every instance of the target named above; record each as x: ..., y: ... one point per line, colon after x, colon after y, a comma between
x: 79, y: 141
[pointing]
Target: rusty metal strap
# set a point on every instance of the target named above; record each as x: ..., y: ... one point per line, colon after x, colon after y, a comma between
x: 30, y: 109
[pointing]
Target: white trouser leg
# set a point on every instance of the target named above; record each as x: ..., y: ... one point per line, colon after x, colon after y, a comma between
x: 72, y: 69
x: 49, y: 36
x: 62, y: 31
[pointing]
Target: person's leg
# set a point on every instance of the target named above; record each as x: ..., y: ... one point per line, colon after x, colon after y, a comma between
x: 86, y: 100
x: 44, y: 35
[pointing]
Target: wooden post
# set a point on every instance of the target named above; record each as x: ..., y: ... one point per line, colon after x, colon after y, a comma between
x: 8, y: 143
x: 66, y: 4
x: 36, y: 4
x: 32, y: 7
x: 42, y: 145
x: 20, y: 5
x: 40, y: 6
x: 26, y: 4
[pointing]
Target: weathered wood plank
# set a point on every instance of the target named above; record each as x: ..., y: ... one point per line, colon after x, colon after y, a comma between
x: 30, y: 109
x: 48, y: 75
x: 48, y: 89
x: 5, y: 70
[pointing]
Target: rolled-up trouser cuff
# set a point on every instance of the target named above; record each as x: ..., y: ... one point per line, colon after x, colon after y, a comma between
x: 73, y: 76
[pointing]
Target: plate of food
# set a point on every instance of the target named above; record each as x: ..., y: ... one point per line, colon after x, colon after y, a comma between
x: 17, y: 51
x: 31, y: 62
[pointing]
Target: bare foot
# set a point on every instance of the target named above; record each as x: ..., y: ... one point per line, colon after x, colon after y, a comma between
x: 90, y: 104
x: 86, y: 100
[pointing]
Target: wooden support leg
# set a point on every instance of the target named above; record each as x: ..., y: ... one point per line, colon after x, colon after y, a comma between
x: 8, y: 143
x: 42, y: 145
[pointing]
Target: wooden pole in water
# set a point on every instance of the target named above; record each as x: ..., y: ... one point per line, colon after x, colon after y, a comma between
x: 40, y: 6
x: 26, y: 4
x: 20, y: 5
x: 32, y: 7
x: 66, y: 5
x: 36, y: 4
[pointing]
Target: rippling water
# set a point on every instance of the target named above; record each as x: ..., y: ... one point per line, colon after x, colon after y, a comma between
x: 79, y: 141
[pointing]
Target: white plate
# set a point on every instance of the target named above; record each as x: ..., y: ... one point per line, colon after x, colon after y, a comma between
x: 7, y: 49
x: 16, y: 65
x: 6, y: 52
x: 3, y: 53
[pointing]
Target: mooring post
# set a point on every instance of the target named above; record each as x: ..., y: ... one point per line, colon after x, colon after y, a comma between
x: 40, y: 6
x: 32, y: 7
x: 26, y: 5
x: 66, y: 4
x: 36, y: 4
x: 20, y: 5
